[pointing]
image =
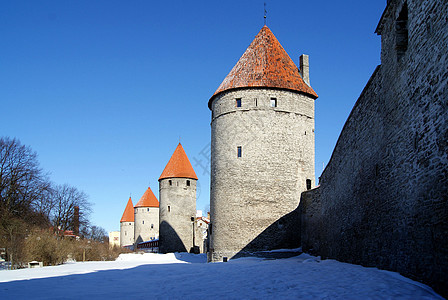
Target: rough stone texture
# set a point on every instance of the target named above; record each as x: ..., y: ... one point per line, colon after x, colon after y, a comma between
x: 126, y: 233
x: 254, y: 197
x: 146, y: 223
x: 382, y: 199
x: 176, y: 227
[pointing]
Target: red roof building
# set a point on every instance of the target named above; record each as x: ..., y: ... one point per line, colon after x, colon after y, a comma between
x: 265, y: 64
x: 178, y: 166
x: 128, y: 215
x: 148, y: 199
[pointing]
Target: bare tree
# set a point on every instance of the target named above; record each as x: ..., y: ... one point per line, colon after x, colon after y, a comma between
x: 64, y: 200
x: 22, y: 182
x: 97, y: 233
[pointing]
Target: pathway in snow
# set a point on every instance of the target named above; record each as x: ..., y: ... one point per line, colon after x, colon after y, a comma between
x: 187, y: 276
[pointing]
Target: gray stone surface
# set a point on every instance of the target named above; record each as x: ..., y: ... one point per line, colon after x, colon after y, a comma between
x: 146, y: 223
x: 253, y: 197
x: 126, y: 233
x: 382, y: 199
x: 177, y: 207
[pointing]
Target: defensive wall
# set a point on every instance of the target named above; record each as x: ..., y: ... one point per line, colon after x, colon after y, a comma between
x: 382, y: 199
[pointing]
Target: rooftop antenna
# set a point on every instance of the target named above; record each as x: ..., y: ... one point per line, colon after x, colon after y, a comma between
x: 265, y: 12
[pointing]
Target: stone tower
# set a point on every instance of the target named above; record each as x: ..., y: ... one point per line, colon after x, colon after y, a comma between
x: 146, y: 213
x: 127, y: 225
x: 262, y: 150
x: 177, y: 194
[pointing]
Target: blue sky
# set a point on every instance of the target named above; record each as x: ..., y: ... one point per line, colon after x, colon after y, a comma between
x: 102, y: 90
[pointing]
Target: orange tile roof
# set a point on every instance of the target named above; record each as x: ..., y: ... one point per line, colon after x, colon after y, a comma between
x: 178, y: 166
x: 148, y: 200
x: 128, y: 215
x: 265, y: 64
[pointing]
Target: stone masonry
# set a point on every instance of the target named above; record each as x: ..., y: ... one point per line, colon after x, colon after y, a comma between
x: 382, y: 199
x: 177, y: 207
x: 252, y: 192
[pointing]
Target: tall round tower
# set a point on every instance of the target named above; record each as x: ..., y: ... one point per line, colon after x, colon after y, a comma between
x: 177, y: 194
x: 262, y: 150
x: 127, y: 225
x: 146, y: 213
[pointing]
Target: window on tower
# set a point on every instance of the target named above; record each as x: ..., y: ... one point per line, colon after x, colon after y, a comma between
x: 273, y: 102
x: 170, y: 182
x: 169, y: 208
x: 188, y: 182
x: 239, y: 151
x: 238, y: 102
x: 152, y: 226
x: 308, y: 184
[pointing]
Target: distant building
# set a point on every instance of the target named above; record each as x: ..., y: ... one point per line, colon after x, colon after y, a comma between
x: 127, y: 225
x: 114, y: 239
x: 146, y: 218
x: 177, y: 190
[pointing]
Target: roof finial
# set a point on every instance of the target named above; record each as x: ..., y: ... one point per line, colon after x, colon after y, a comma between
x: 179, y: 139
x: 265, y: 12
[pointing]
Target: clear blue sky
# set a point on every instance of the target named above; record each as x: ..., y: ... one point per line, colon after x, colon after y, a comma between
x: 102, y: 90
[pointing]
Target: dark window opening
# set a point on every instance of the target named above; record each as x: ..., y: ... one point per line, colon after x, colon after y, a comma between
x: 239, y: 151
x: 188, y: 182
x: 171, y: 183
x: 401, y: 30
x: 256, y: 101
x: 308, y: 184
x: 238, y: 102
x: 152, y: 226
x: 169, y: 208
x: 273, y: 102
x: 143, y: 222
x: 148, y: 209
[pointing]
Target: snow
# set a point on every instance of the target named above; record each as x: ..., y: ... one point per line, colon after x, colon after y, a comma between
x: 186, y: 276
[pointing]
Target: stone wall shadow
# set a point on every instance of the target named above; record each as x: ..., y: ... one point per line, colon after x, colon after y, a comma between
x: 282, y: 234
x: 169, y: 240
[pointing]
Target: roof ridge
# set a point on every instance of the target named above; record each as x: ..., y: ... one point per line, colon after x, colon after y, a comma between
x: 265, y: 64
x: 128, y: 214
x: 178, y: 166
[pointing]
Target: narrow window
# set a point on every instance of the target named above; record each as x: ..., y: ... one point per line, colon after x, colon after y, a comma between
x: 188, y: 182
x: 256, y: 102
x: 125, y: 233
x: 239, y: 151
x: 169, y: 208
x: 401, y: 30
x: 170, y: 182
x: 273, y: 102
x: 143, y: 222
x: 308, y: 184
x: 152, y: 226
x: 147, y: 209
x: 238, y: 102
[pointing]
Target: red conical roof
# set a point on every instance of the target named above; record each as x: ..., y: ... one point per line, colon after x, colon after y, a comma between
x: 148, y: 200
x: 178, y: 166
x: 128, y: 215
x: 265, y: 64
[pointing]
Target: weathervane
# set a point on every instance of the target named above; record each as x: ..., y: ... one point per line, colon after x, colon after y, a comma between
x: 265, y: 12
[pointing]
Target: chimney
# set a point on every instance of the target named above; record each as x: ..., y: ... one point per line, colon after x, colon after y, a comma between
x: 76, y: 221
x: 304, y: 63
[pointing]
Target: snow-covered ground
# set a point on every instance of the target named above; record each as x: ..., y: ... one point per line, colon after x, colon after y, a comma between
x: 187, y: 276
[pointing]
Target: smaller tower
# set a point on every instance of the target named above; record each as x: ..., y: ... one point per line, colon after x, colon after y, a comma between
x: 127, y: 225
x: 146, y: 217
x: 177, y: 194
